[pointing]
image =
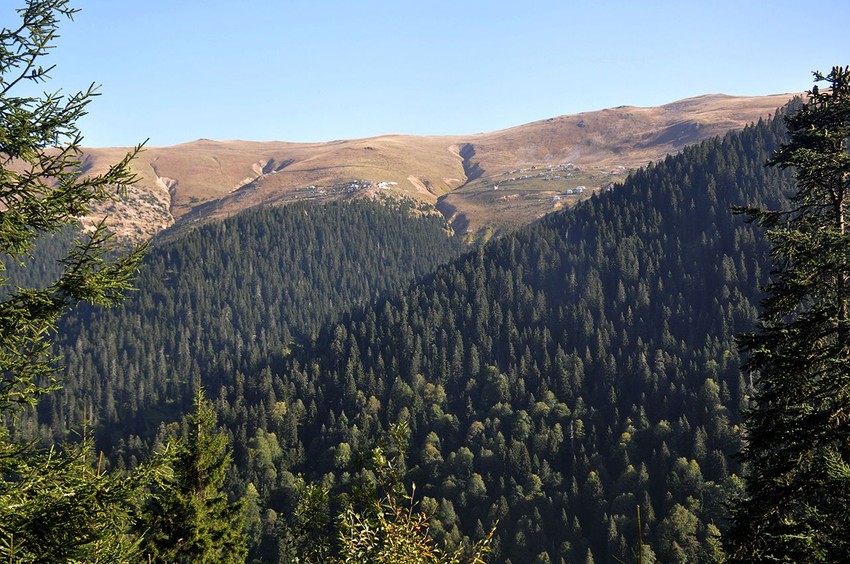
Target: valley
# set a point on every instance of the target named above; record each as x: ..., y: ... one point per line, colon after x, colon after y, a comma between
x: 552, y: 380
x: 615, y: 336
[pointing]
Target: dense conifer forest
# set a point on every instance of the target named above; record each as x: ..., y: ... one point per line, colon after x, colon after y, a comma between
x: 214, y: 304
x: 557, y: 379
x: 554, y: 381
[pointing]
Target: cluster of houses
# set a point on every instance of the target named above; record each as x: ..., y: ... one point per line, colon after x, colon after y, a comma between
x: 547, y: 172
x: 357, y: 185
x: 569, y: 192
x: 347, y: 188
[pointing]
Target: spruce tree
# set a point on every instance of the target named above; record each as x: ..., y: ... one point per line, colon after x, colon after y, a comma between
x: 55, y: 505
x: 190, y: 519
x: 797, y: 450
x: 42, y: 191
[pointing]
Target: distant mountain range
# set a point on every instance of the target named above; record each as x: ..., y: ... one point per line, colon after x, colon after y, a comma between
x: 483, y: 183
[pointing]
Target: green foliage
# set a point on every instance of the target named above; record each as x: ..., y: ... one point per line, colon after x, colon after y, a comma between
x: 797, y: 503
x: 572, y: 400
x: 42, y: 191
x: 53, y: 506
x: 379, y: 523
x: 552, y: 381
x: 309, y: 533
x: 228, y: 299
x: 190, y: 519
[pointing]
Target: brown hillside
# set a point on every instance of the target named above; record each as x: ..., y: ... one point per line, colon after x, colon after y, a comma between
x: 483, y: 183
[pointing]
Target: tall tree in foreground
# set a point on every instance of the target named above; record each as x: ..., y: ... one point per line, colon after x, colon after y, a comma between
x: 191, y: 518
x: 797, y: 503
x: 53, y: 505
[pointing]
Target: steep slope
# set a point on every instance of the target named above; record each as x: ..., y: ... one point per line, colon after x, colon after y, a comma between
x: 554, y: 380
x: 484, y: 182
x: 213, y: 302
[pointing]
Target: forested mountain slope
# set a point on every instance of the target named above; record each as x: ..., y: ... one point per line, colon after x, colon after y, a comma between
x: 215, y: 301
x: 554, y: 380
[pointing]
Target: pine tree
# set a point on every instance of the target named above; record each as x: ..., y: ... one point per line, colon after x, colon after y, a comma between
x: 53, y: 505
x: 191, y: 519
x: 797, y: 501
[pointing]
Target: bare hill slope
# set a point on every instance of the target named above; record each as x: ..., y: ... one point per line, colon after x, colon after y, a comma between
x: 483, y: 183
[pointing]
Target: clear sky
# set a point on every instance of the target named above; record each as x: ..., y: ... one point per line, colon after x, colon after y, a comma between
x: 318, y: 70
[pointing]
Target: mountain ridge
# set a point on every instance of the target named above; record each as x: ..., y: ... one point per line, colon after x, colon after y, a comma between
x: 483, y: 182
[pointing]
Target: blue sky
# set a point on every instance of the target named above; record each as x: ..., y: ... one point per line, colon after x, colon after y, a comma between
x: 318, y: 70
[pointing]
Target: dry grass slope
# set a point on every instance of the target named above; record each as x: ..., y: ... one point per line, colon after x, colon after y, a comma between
x: 483, y: 183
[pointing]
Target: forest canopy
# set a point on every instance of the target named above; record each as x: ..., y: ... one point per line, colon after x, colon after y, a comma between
x: 349, y: 380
